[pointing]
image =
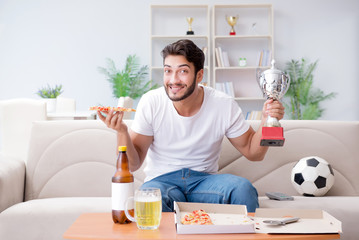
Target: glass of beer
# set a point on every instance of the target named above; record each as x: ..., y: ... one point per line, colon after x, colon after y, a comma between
x: 148, y: 208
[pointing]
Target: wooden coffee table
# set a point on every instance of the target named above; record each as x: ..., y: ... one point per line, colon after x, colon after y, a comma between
x: 100, y: 226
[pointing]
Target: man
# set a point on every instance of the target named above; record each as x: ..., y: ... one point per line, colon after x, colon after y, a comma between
x: 178, y: 129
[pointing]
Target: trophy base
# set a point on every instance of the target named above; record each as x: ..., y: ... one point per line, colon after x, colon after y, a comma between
x: 232, y: 33
x: 190, y: 33
x: 272, y: 136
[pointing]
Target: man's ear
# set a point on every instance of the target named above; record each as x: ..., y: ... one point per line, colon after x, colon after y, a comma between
x: 199, y: 76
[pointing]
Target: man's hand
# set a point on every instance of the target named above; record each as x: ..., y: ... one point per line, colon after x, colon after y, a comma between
x: 273, y: 108
x: 113, y: 120
x: 249, y: 143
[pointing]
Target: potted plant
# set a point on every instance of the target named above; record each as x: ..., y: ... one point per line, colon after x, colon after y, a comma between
x: 304, y: 99
x: 49, y: 94
x: 127, y: 84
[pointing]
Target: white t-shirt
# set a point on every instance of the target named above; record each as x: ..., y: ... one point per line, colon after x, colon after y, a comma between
x: 186, y: 142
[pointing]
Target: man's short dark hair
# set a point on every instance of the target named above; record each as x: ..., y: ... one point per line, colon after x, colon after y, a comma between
x: 188, y: 49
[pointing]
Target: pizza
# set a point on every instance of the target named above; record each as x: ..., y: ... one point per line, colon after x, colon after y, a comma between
x: 107, y: 109
x: 199, y: 217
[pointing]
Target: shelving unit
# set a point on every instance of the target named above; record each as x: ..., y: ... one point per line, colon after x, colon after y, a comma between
x: 254, y: 33
x: 168, y: 24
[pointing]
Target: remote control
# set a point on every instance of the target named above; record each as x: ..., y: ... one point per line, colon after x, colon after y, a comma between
x: 279, y: 196
x: 282, y: 221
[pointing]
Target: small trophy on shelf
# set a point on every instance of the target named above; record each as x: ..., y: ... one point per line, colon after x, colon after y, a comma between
x: 232, y: 20
x: 190, y: 31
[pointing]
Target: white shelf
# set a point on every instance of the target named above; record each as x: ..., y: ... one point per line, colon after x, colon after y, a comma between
x: 178, y: 37
x: 178, y: 6
x: 241, y: 36
x: 160, y: 68
x: 244, y: 6
x: 242, y: 68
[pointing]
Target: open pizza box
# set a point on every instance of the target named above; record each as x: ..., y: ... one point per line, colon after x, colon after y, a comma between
x: 226, y: 218
x: 233, y: 219
x: 311, y: 221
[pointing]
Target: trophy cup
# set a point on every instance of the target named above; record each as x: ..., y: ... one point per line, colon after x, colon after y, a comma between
x: 232, y: 20
x: 190, y: 31
x: 274, y: 84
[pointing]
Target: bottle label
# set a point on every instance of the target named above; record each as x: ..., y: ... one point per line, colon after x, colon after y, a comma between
x: 120, y: 193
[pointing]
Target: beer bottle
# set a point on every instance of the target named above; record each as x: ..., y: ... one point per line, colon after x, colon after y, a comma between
x: 122, y: 188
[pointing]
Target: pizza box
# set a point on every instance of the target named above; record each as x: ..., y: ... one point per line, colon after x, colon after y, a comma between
x: 226, y: 218
x: 311, y: 221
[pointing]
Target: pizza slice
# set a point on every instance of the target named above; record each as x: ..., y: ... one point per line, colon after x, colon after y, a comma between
x: 107, y: 109
x: 199, y: 217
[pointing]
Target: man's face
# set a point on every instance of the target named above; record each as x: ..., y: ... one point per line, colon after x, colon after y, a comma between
x: 179, y: 77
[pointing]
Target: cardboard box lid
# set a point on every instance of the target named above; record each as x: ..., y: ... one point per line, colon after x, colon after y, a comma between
x: 228, y: 225
x: 311, y: 221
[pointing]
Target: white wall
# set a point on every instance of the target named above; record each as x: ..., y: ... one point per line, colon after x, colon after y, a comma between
x: 64, y: 41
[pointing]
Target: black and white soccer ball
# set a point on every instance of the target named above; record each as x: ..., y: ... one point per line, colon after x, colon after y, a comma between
x: 312, y: 176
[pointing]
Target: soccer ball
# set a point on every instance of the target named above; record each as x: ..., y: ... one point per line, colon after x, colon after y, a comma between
x: 312, y: 176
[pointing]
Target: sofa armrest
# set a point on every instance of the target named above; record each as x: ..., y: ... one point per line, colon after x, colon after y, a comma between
x: 12, y: 181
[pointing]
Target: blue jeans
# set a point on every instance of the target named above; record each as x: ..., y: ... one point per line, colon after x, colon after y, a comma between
x: 191, y: 186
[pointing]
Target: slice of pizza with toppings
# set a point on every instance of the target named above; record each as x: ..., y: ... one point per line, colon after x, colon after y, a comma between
x: 107, y: 109
x: 199, y: 217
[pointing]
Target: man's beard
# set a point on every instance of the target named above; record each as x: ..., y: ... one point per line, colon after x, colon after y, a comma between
x: 189, y: 91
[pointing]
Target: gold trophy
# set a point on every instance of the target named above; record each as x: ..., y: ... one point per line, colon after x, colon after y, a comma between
x: 232, y: 20
x: 190, y: 31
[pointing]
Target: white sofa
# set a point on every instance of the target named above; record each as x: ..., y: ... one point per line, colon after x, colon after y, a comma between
x: 70, y: 165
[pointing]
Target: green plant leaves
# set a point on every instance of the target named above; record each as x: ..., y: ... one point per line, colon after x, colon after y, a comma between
x: 304, y: 100
x: 50, y: 92
x: 130, y: 81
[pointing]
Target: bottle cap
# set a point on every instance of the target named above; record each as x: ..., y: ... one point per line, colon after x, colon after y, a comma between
x: 122, y: 148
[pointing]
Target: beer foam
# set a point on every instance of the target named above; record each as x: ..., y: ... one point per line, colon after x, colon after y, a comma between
x: 147, y: 198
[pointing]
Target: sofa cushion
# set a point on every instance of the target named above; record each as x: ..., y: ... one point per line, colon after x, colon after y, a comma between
x: 64, y: 156
x: 12, y: 172
x: 44, y: 219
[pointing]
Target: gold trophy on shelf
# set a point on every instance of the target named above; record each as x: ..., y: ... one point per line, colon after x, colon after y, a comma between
x: 232, y: 20
x: 190, y: 31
